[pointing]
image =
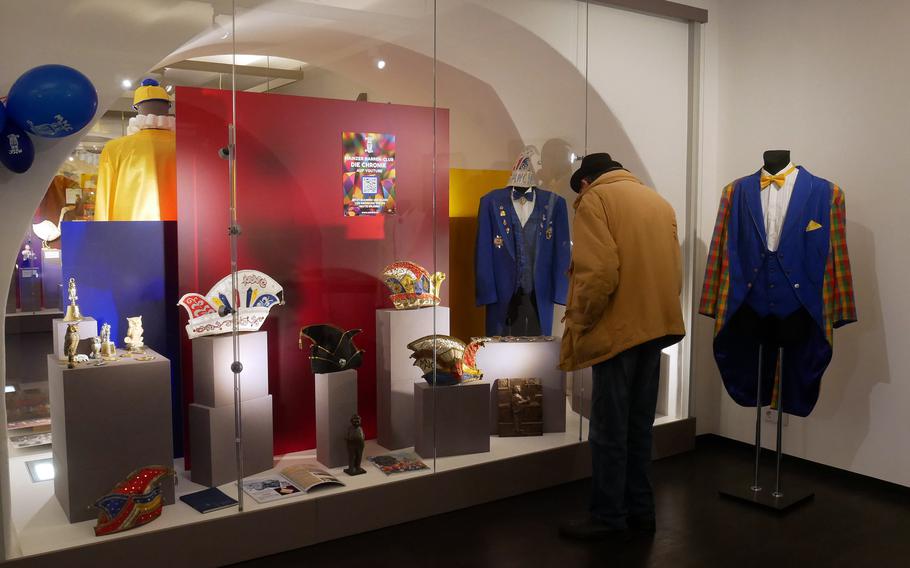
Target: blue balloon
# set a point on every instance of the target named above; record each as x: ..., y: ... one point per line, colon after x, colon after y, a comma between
x: 2, y: 116
x: 16, y: 149
x: 52, y: 101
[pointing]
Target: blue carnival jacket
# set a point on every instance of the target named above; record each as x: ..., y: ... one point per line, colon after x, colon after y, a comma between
x: 810, y: 270
x: 497, y: 256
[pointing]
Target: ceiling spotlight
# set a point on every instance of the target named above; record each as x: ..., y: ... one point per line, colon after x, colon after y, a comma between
x: 126, y: 83
x: 380, y: 64
x: 72, y: 159
x: 572, y: 158
x: 169, y: 88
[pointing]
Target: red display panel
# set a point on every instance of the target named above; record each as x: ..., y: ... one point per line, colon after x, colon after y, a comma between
x: 290, y: 209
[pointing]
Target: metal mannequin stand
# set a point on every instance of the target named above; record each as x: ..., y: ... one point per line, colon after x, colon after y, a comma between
x: 755, y: 494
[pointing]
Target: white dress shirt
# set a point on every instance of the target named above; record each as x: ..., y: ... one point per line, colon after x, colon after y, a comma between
x: 774, y: 203
x: 523, y: 207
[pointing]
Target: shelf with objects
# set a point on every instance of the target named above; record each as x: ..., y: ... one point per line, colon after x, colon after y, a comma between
x: 352, y: 302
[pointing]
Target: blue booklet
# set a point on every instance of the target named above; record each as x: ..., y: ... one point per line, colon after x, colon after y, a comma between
x: 208, y: 500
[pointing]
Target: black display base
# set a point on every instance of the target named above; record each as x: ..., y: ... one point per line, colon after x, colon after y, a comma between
x: 765, y: 499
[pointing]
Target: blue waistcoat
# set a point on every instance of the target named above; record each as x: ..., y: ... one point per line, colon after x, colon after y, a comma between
x: 501, y: 255
x: 777, y: 284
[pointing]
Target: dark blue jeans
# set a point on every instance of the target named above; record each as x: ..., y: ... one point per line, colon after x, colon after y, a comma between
x: 624, y: 398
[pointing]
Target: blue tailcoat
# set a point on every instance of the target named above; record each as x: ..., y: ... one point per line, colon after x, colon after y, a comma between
x: 496, y: 259
x: 777, y: 284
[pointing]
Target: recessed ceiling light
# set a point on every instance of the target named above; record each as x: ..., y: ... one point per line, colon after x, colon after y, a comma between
x: 126, y: 83
x: 380, y: 64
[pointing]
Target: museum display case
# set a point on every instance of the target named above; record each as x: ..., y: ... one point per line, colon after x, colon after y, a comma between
x: 376, y: 200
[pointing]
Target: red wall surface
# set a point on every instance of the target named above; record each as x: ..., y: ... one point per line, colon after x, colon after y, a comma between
x: 289, y: 186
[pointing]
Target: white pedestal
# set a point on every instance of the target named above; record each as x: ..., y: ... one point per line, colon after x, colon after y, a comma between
x: 213, y: 380
x: 395, y: 370
x: 452, y: 420
x: 88, y: 328
x: 527, y: 360
x: 336, y: 402
x: 212, y: 449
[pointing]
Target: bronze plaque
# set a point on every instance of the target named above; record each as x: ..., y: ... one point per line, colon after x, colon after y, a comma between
x: 520, y: 407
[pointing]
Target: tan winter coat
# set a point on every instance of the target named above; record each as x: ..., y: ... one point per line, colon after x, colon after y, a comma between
x: 626, y: 275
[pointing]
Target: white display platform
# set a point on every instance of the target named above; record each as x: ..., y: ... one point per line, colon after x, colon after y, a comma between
x: 212, y: 447
x: 527, y: 360
x: 395, y: 370
x: 336, y: 402
x: 451, y: 420
x: 366, y: 502
x: 213, y: 380
x: 88, y: 328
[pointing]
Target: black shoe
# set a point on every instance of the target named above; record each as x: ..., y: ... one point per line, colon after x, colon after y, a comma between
x: 645, y: 526
x: 591, y: 529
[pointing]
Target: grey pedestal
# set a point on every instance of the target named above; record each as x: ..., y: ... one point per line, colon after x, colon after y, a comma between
x: 107, y: 422
x: 336, y: 402
x: 213, y: 380
x: 88, y: 328
x: 214, y: 456
x: 527, y: 360
x: 395, y: 370
x: 456, y: 418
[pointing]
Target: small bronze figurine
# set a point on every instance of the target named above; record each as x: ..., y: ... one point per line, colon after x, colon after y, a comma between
x: 72, y: 344
x: 355, y: 440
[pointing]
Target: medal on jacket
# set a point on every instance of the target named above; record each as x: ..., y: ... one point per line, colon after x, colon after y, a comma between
x: 502, y: 212
x: 549, y: 232
x: 506, y: 225
x: 497, y: 242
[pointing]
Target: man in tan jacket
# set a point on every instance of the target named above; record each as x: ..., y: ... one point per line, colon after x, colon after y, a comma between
x: 623, y: 307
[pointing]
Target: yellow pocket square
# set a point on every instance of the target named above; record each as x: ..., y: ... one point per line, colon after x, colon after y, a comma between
x: 812, y: 226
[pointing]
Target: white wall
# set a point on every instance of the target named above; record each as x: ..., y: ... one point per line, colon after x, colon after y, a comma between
x: 828, y: 79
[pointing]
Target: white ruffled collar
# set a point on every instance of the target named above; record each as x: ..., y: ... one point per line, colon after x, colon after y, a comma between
x: 151, y: 121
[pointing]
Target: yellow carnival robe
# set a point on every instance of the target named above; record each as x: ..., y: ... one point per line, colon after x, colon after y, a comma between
x: 137, y: 178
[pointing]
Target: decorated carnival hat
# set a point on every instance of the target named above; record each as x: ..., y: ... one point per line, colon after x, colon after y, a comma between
x: 149, y: 90
x: 412, y: 286
x: 446, y: 360
x: 212, y: 314
x: 524, y: 172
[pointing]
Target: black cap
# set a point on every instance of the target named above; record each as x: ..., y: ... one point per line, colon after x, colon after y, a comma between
x: 593, y: 165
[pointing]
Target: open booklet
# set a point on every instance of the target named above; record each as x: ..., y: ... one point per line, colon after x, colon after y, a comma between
x: 293, y: 480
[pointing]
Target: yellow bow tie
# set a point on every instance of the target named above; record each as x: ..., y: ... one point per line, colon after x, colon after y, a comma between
x: 777, y: 180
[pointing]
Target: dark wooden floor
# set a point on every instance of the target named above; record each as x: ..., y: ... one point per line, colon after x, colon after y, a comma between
x: 853, y: 522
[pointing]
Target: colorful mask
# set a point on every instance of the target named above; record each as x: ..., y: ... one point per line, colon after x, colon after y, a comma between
x: 133, y: 502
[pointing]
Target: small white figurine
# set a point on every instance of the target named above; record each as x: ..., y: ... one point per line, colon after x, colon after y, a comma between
x: 133, y: 338
x: 96, y: 348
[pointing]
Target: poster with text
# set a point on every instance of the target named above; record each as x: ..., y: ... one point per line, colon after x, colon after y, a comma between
x: 368, y: 177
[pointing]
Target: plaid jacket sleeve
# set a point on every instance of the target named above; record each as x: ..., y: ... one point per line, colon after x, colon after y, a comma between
x: 839, y: 305
x: 717, y: 271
